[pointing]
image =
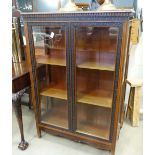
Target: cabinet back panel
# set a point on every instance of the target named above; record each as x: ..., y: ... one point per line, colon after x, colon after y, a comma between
x: 88, y: 80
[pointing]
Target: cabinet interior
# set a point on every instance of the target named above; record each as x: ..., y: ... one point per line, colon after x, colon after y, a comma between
x: 95, y: 68
x: 95, y: 54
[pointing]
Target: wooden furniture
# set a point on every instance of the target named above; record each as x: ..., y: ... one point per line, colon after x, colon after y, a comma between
x: 20, y: 84
x: 79, y: 94
x: 135, y: 31
x: 133, y: 109
x: 20, y: 73
x: 20, y: 76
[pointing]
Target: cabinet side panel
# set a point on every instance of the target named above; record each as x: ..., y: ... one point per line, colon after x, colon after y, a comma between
x: 121, y: 81
x: 125, y: 70
x: 28, y: 56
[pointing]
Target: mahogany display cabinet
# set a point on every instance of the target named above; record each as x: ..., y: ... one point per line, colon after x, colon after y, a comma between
x: 79, y: 91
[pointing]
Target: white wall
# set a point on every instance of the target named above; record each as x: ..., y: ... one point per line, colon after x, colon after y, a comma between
x: 135, y: 66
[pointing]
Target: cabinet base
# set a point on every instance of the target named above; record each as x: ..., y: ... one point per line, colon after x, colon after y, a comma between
x: 98, y: 143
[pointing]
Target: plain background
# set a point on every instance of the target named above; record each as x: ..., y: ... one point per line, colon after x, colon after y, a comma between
x: 6, y: 77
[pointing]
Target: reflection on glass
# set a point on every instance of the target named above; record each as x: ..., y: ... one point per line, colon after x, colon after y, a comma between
x: 24, y: 5
x: 50, y: 53
x: 50, y: 45
x: 50, y: 37
x: 95, y: 62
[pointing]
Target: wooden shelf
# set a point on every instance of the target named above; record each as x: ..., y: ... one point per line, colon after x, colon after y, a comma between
x: 94, y: 65
x: 96, y: 50
x: 93, y: 99
x: 52, y: 61
x: 54, y: 92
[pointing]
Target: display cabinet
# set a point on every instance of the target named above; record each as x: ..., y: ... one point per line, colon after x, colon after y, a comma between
x: 79, y: 91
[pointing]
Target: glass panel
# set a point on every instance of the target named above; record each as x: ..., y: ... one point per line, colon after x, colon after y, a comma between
x: 50, y: 54
x: 95, y: 69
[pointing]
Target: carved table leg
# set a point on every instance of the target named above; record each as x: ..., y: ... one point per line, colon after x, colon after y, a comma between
x: 18, y: 112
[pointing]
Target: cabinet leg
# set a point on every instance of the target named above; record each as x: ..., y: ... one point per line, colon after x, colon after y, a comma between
x: 37, y: 126
x: 39, y: 132
x: 18, y: 112
x: 112, y: 152
x: 113, y: 149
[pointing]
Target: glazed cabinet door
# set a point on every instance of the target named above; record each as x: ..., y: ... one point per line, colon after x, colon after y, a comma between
x: 50, y: 52
x: 95, y: 51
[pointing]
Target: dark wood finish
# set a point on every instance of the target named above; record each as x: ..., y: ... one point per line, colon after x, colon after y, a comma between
x: 18, y: 112
x: 20, y: 76
x: 77, y: 137
x: 20, y: 81
x: 83, y: 78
